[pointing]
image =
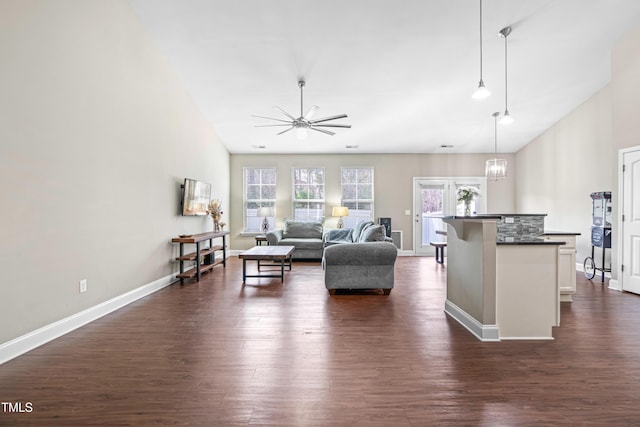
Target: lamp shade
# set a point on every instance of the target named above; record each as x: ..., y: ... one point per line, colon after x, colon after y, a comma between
x: 481, y: 92
x: 264, y: 211
x: 340, y: 211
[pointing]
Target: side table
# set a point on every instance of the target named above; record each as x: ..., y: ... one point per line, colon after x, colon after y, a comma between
x: 261, y: 238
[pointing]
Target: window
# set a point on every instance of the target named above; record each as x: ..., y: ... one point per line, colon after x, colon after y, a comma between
x: 357, y: 195
x: 259, y: 198
x: 308, y: 194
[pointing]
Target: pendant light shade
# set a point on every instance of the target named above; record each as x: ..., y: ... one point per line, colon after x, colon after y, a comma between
x: 481, y: 92
x: 506, y: 118
x: 496, y: 168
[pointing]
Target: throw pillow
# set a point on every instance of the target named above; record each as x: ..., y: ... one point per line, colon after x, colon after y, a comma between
x: 355, y: 236
x: 374, y: 233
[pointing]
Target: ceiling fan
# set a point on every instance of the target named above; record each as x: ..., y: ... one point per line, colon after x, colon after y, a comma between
x: 304, y: 122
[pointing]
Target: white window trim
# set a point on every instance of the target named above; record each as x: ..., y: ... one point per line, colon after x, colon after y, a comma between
x: 244, y: 198
x: 323, y: 201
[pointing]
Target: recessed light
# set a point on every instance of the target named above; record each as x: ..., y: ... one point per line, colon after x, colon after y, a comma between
x: 446, y: 146
x: 351, y: 146
x: 259, y: 147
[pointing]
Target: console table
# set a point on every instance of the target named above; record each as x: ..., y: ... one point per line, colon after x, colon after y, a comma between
x: 204, y: 257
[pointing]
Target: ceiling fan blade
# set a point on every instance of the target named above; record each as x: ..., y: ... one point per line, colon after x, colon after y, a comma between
x: 326, y: 119
x: 311, y: 112
x: 286, y: 130
x: 266, y: 126
x: 322, y: 130
x: 334, y: 126
x: 271, y: 118
x: 284, y: 112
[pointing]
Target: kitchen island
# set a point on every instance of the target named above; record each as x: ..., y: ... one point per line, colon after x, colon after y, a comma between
x: 501, y: 286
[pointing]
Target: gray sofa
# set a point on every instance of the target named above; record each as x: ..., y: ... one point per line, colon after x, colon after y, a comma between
x: 359, y: 258
x: 367, y: 265
x: 305, y: 236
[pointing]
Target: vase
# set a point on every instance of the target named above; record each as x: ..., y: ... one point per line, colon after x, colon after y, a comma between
x: 467, y: 208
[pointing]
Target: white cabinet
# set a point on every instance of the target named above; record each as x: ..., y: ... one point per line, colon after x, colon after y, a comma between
x: 566, y: 264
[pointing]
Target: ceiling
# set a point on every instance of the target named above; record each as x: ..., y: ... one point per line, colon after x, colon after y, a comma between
x: 402, y: 70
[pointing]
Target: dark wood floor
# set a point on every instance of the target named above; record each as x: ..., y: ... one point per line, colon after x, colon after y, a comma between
x: 219, y: 353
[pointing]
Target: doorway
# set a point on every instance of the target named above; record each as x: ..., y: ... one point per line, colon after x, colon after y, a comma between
x: 629, y: 220
x: 435, y: 198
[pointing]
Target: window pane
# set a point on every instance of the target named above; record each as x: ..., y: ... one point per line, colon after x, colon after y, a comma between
x: 364, y: 176
x: 365, y: 191
x: 253, y: 176
x: 268, y: 192
x: 348, y: 191
x: 316, y: 176
x: 259, y: 192
x: 253, y: 192
x: 301, y: 192
x: 316, y: 192
x: 268, y: 176
x: 308, y: 185
x: 357, y: 194
x: 348, y: 175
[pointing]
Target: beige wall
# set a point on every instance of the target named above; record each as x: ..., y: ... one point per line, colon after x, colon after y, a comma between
x: 96, y: 135
x: 625, y: 66
x: 393, y: 184
x: 557, y: 171
x: 579, y: 155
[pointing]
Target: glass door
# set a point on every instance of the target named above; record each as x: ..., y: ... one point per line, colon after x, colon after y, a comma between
x: 435, y: 198
x: 431, y: 203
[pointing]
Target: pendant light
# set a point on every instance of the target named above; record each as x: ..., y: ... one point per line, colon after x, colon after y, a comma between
x: 496, y: 168
x: 506, y: 118
x: 481, y: 92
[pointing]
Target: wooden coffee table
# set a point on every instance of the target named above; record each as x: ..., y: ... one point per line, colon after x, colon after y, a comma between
x: 267, y: 253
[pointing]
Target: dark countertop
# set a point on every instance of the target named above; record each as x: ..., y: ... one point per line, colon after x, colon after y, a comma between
x: 558, y: 233
x: 489, y: 216
x: 473, y: 217
x: 526, y: 241
x: 500, y: 215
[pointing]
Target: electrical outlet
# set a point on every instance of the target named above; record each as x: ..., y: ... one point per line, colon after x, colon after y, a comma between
x: 83, y: 285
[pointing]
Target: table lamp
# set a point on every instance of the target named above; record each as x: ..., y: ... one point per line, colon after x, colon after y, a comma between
x: 265, y: 212
x: 340, y: 211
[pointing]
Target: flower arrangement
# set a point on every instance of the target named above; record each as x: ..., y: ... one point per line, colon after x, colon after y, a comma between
x: 215, y: 210
x: 467, y: 193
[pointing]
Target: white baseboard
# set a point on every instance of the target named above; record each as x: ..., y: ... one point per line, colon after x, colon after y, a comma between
x: 21, y: 345
x: 405, y: 253
x: 580, y: 267
x: 486, y: 333
x: 614, y: 285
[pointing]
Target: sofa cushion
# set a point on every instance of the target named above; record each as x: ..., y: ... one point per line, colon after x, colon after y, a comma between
x: 373, y: 233
x: 302, y: 243
x: 302, y: 230
x: 355, y: 235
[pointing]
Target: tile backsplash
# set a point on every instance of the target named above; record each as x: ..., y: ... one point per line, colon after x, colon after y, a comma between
x: 520, y: 226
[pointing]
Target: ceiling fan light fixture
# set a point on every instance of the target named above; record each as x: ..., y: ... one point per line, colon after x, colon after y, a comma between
x: 301, y: 131
x: 305, y: 122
